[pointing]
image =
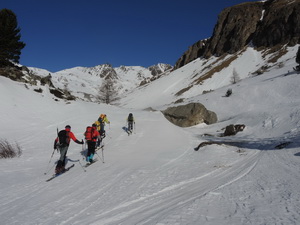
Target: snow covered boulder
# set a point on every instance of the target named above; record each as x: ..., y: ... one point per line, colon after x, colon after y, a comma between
x: 190, y: 115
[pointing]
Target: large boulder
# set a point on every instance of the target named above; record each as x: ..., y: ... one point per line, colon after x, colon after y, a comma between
x: 190, y: 115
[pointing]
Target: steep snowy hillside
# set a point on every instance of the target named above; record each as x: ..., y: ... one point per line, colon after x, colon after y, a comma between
x: 204, y: 75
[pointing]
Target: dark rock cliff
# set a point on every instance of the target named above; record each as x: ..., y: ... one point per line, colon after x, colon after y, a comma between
x: 263, y: 24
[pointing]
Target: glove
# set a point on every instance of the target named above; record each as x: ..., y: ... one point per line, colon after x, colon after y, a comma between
x: 79, y: 142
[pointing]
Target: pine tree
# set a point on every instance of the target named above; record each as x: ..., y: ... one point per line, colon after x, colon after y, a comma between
x: 10, y: 44
x: 235, y: 77
x: 107, y: 92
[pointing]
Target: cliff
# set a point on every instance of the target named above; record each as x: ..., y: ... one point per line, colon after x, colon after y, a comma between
x: 261, y: 24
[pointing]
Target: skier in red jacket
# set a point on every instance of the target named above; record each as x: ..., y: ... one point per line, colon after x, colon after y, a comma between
x: 62, y: 143
x: 91, y: 135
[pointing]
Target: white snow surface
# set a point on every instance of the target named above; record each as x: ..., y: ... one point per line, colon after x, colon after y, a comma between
x: 154, y: 176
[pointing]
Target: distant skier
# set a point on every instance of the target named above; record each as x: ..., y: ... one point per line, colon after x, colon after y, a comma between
x: 130, y: 121
x: 91, y: 135
x: 62, y: 143
x: 102, y: 120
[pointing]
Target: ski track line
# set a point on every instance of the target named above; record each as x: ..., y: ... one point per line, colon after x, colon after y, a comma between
x: 95, y: 197
x: 152, y: 208
x: 15, y: 204
x: 229, y: 174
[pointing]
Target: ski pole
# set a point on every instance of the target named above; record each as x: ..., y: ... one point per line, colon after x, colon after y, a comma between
x: 103, y: 154
x: 83, y: 149
x: 82, y: 153
x: 108, y: 135
x: 51, y: 155
x: 49, y: 170
x: 99, y: 157
x: 81, y: 166
x: 49, y: 162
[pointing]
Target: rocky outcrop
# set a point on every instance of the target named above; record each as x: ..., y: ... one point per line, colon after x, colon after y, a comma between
x: 263, y: 24
x: 24, y: 75
x: 194, y: 52
x: 234, y: 29
x: 156, y: 71
x: 108, y: 72
x: 190, y: 115
x: 13, y: 73
x: 159, y: 69
x: 233, y: 129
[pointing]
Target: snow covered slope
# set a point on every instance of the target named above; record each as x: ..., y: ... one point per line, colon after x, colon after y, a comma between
x: 154, y: 176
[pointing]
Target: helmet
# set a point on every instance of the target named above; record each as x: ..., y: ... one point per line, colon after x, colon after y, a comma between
x: 68, y: 128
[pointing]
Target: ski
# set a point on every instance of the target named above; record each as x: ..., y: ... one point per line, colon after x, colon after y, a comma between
x: 90, y: 163
x: 56, y: 175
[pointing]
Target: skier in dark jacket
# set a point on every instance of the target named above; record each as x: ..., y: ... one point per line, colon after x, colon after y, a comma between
x: 62, y: 143
x: 130, y: 121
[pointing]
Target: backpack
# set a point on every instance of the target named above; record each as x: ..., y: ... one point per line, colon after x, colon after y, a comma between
x: 98, y: 125
x: 100, y: 119
x: 89, y: 133
x: 63, y: 137
x: 130, y: 117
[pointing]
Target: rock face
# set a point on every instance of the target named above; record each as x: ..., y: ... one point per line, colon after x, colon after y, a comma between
x: 194, y: 51
x: 234, y: 28
x: 263, y: 24
x: 280, y: 24
x: 190, y: 115
x: 159, y: 69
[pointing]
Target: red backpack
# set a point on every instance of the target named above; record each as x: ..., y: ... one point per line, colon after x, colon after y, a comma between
x: 89, y: 133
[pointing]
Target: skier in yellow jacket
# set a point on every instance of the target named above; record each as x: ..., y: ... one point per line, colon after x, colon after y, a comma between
x: 102, y: 120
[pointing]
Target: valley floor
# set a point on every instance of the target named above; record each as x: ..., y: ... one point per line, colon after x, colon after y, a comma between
x: 152, y: 177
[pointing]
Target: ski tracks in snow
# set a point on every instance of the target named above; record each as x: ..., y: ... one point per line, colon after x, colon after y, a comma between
x: 152, y: 207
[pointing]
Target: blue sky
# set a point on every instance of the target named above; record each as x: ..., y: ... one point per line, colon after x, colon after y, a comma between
x: 61, y: 34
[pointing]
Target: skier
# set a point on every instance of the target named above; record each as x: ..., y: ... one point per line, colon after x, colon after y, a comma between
x: 130, y: 121
x: 102, y: 120
x: 62, y: 143
x: 91, y: 135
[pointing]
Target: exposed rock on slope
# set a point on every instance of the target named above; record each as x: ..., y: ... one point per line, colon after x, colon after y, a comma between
x: 190, y: 115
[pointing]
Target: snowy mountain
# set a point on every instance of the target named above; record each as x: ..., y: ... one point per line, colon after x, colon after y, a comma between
x: 154, y: 176
x: 85, y: 83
